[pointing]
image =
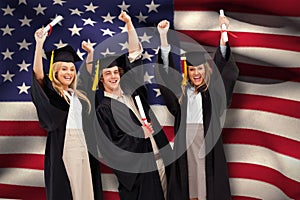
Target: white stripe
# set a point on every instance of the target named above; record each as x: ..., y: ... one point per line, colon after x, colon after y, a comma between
x: 14, y: 111
x: 109, y: 182
x: 22, y: 144
x: 35, y: 178
x: 257, y: 56
x: 276, y: 124
x: 23, y: 177
x: 240, y: 22
x: 163, y: 115
x: 266, y: 56
x: 285, y: 90
x: 251, y: 154
x: 256, y: 189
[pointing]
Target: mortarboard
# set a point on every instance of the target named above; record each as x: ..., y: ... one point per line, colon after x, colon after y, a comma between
x: 63, y: 54
x: 195, y: 58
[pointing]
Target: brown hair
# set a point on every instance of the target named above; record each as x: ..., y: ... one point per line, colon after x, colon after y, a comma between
x: 100, y: 84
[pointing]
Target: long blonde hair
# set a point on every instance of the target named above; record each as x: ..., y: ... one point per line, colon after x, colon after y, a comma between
x: 58, y: 86
x: 205, y: 83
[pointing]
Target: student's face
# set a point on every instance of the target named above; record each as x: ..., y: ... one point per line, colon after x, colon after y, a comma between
x: 66, y: 74
x: 196, y: 74
x: 111, y: 79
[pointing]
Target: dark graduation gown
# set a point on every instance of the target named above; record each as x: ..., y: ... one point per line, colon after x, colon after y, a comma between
x: 122, y: 129
x: 217, y: 179
x: 52, y: 111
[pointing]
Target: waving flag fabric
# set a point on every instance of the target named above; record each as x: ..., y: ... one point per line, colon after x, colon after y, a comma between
x: 261, y: 133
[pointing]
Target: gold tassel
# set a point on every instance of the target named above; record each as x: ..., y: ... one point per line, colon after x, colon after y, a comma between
x: 51, y: 66
x: 184, y: 69
x: 96, y: 78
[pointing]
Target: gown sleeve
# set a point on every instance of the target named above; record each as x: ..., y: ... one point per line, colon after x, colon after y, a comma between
x: 52, y: 110
x: 229, y: 71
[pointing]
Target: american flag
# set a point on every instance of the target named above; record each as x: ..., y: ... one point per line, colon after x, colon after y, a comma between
x: 261, y: 133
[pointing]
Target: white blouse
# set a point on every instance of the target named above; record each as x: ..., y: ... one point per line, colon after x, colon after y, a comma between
x: 194, y: 107
x: 74, y: 116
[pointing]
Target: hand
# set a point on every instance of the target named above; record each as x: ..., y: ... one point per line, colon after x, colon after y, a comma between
x: 124, y: 17
x: 40, y: 36
x: 223, y: 20
x: 163, y: 27
x: 87, y: 47
x: 148, y: 130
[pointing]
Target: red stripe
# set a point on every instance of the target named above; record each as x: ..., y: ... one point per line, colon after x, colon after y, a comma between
x: 269, y: 104
x: 105, y: 169
x: 169, y: 131
x: 266, y: 7
x: 244, y: 198
x: 111, y: 195
x: 37, y: 193
x: 29, y: 161
x: 278, y: 73
x: 211, y: 38
x: 265, y: 174
x: 276, y: 143
x: 21, y: 128
x: 22, y: 192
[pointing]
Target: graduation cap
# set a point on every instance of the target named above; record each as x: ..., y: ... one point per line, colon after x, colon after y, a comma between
x: 193, y: 58
x: 106, y: 62
x: 196, y: 58
x: 64, y: 54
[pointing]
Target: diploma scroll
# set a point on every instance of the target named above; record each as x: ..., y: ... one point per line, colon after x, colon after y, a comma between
x: 141, y: 110
x: 224, y: 28
x: 53, y: 23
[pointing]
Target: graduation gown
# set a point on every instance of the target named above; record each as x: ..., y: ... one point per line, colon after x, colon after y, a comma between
x: 217, y: 179
x: 52, y: 110
x: 121, y: 138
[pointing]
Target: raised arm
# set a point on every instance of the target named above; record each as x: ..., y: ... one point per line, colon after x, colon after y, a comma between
x: 223, y: 20
x: 89, y: 59
x: 133, y: 40
x: 163, y: 28
x: 40, y: 38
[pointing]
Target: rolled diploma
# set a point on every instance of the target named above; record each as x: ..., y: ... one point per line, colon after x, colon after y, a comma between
x: 141, y: 110
x: 223, y: 27
x: 53, y: 23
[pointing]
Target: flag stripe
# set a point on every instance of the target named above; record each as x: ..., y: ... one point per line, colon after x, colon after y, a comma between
x: 255, y: 189
x: 22, y: 192
x: 244, y: 198
x: 276, y: 7
x: 20, y: 111
x: 20, y: 176
x: 283, y: 90
x: 258, y: 138
x: 246, y: 39
x: 268, y: 104
x: 261, y: 173
x: 251, y: 154
x: 285, y: 74
x: 29, y: 161
x: 109, y: 182
x: 263, y: 121
x: 267, y: 56
x: 30, y: 193
x: 22, y: 144
x: 29, y: 128
x: 239, y: 22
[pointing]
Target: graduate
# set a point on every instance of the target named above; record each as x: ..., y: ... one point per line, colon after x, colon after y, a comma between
x: 61, y: 108
x: 200, y: 172
x: 136, y: 161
